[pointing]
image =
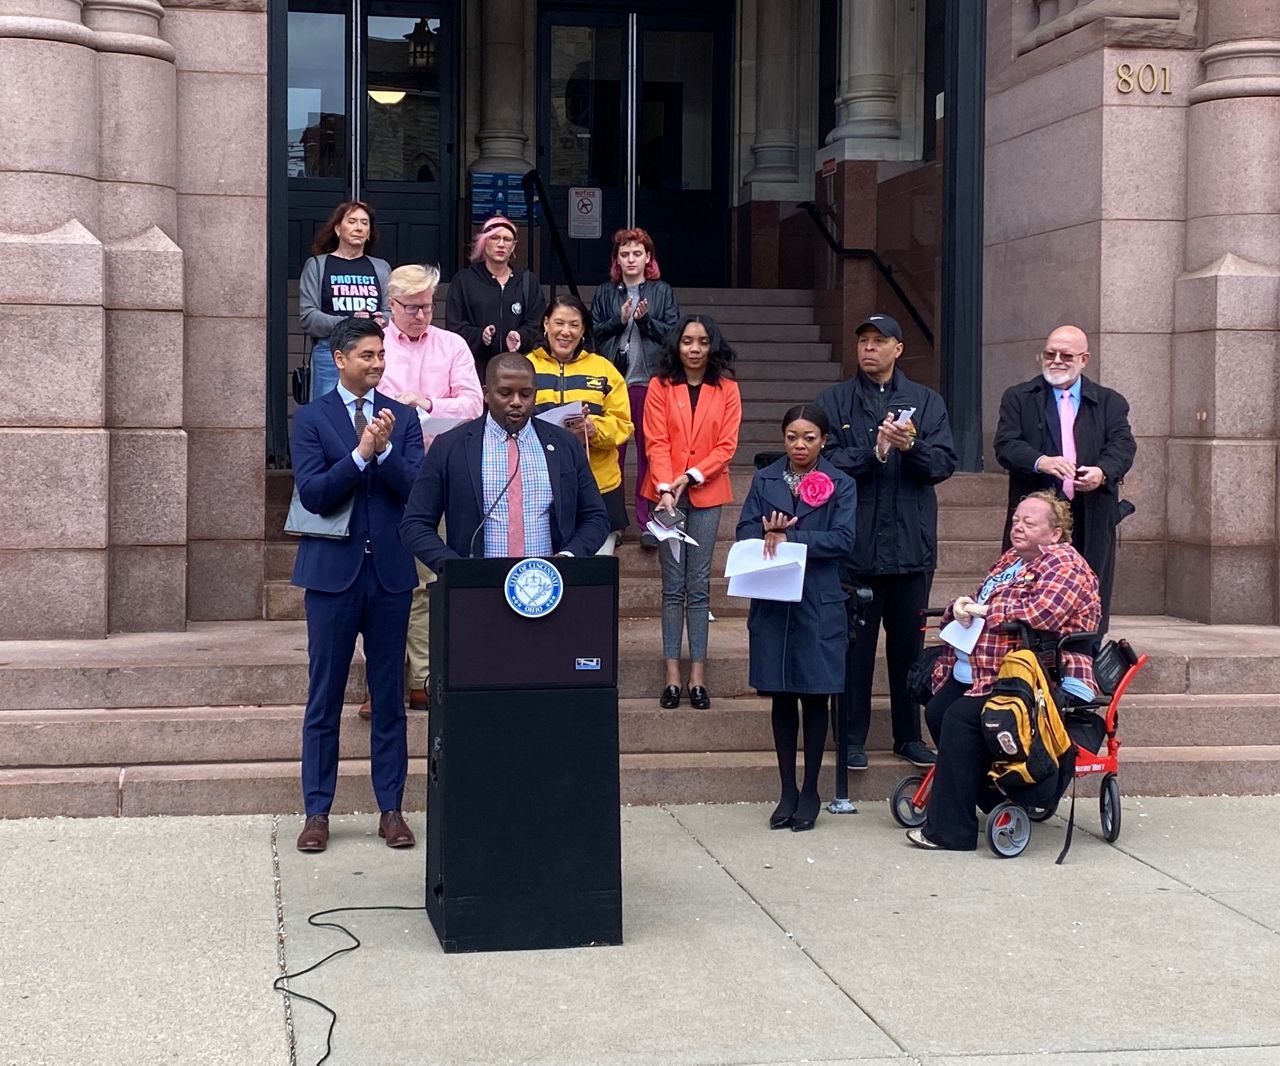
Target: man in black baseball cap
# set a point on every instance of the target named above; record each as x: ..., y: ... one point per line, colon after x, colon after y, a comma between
x: 893, y: 437
x: 886, y: 326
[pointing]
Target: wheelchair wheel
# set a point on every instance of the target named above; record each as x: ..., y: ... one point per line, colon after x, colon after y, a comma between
x: 1041, y: 814
x: 1109, y: 808
x: 904, y: 812
x: 1008, y: 830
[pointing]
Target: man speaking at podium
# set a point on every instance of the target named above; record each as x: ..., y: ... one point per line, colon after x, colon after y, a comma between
x: 509, y: 486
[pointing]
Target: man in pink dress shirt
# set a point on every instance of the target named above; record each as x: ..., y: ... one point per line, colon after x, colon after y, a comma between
x: 434, y: 372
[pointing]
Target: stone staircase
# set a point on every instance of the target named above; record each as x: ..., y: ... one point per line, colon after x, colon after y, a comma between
x: 208, y: 721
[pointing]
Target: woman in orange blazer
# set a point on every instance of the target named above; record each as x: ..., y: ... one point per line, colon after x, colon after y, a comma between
x: 691, y: 418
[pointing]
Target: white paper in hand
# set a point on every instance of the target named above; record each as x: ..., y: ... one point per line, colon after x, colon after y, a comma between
x: 963, y: 638
x: 558, y: 416
x: 781, y: 578
x: 434, y: 425
x: 677, y: 536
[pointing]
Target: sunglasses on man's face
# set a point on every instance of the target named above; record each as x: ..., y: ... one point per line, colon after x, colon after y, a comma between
x: 1060, y: 357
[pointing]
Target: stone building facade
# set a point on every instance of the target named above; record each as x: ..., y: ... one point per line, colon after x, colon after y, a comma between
x: 1129, y: 155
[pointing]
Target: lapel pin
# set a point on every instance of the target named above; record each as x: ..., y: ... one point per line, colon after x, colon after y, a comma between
x: 551, y: 447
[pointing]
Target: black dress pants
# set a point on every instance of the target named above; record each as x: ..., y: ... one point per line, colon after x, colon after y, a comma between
x: 897, y: 600
x: 960, y: 779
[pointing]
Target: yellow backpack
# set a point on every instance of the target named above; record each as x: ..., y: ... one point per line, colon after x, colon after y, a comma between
x: 1022, y: 725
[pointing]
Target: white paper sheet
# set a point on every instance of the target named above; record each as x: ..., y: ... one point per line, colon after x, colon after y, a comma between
x: 963, y: 638
x: 781, y: 578
x: 558, y: 416
x: 904, y: 416
x: 668, y: 533
x: 433, y: 425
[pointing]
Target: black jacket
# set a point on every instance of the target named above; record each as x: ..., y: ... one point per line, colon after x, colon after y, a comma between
x: 659, y: 320
x: 1103, y: 439
x: 897, y: 530
x: 477, y: 300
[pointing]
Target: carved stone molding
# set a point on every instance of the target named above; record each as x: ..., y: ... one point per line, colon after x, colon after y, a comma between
x: 220, y: 5
x: 1137, y: 23
x: 1239, y: 69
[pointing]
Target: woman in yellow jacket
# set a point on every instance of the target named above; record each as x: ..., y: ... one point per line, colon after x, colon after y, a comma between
x: 566, y: 371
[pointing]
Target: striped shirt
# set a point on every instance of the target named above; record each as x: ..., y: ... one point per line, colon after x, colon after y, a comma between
x: 535, y: 482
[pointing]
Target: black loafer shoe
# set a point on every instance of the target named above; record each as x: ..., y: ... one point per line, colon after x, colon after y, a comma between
x: 699, y: 698
x: 670, y: 697
x: 856, y: 757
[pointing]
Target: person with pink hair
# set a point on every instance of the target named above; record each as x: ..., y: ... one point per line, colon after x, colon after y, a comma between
x: 633, y: 314
x: 494, y: 305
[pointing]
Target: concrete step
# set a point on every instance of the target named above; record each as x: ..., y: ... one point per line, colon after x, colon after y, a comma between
x: 727, y: 777
x: 820, y: 374
x: 816, y: 352
x: 771, y: 332
x: 156, y: 736
x: 652, y: 778
x: 265, y: 663
x: 727, y: 314
x: 792, y: 392
x: 972, y: 523
x: 695, y: 298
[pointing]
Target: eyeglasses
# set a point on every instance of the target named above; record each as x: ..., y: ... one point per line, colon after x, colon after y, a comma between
x: 1062, y: 357
x: 414, y: 310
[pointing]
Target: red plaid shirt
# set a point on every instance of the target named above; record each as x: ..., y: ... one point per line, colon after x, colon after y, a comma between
x: 1056, y: 591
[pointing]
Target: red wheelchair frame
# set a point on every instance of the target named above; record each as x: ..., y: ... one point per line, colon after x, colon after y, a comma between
x: 1009, y: 823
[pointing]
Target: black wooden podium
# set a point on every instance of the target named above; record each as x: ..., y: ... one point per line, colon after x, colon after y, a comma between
x: 523, y: 834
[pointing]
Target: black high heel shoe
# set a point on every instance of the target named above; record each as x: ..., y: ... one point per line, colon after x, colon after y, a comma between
x: 806, y: 813
x: 784, y: 812
x: 699, y: 698
x: 670, y: 697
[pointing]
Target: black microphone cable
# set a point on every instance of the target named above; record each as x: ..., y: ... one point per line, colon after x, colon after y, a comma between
x: 471, y: 548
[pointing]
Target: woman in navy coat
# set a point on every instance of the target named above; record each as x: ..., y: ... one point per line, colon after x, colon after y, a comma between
x: 798, y: 649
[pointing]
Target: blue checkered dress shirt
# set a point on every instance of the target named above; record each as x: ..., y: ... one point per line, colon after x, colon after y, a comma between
x: 534, y: 481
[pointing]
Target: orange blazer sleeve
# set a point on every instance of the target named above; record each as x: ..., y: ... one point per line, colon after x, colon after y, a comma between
x: 714, y: 450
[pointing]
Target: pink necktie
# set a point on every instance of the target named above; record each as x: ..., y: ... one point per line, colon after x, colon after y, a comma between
x: 1067, y: 427
x: 515, y: 503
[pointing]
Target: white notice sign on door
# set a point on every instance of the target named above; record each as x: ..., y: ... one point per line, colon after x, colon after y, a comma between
x: 584, y: 214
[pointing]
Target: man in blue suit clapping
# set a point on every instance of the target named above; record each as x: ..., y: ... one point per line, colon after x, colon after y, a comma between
x: 355, y: 446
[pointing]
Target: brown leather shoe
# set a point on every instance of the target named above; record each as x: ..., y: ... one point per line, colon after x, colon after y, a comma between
x: 419, y: 700
x: 366, y: 710
x: 393, y: 828
x: 315, y: 834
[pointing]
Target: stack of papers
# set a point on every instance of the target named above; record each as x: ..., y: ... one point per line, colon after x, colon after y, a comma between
x: 751, y: 575
x: 558, y: 416
x: 963, y: 638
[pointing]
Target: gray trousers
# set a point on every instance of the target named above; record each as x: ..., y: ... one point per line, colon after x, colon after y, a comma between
x: 686, y: 584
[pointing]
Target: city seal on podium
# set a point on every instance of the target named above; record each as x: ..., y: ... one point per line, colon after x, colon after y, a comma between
x: 534, y: 588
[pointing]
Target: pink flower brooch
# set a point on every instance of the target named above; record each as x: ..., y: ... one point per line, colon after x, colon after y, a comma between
x: 816, y: 488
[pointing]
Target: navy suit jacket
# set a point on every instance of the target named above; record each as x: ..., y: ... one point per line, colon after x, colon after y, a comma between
x: 450, y: 483
x: 326, y: 476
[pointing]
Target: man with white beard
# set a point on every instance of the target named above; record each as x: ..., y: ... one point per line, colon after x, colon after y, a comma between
x: 1062, y: 431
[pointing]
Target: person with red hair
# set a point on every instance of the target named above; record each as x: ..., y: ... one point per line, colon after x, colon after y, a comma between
x: 494, y: 305
x: 633, y: 314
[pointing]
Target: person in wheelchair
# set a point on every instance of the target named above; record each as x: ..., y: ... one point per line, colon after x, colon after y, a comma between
x: 1041, y: 581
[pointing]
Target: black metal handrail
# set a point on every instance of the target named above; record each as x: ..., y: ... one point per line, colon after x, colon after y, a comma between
x: 886, y: 272
x: 534, y: 190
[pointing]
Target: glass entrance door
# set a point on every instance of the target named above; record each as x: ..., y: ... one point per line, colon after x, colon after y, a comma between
x: 636, y: 103
x: 371, y: 117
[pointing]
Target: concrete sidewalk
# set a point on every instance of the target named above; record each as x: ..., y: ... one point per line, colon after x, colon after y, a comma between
x: 156, y: 940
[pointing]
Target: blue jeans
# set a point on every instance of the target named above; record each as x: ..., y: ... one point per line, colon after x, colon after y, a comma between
x: 686, y: 585
x: 324, y: 371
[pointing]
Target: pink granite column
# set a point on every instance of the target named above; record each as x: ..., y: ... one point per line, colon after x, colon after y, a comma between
x: 144, y: 269
x: 221, y: 184
x: 54, y: 478
x: 1222, y: 456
